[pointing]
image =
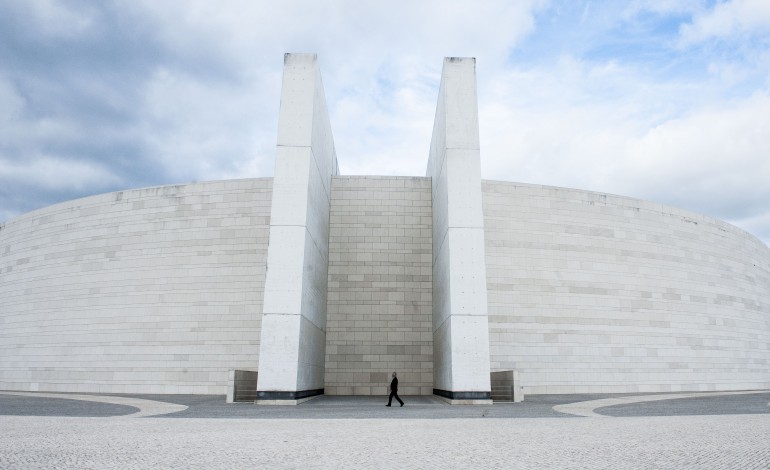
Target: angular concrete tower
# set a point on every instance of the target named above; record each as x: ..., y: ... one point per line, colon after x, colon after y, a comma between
x: 293, y: 338
x: 460, y: 324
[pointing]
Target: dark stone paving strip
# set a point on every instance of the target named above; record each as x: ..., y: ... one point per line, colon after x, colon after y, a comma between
x: 335, y: 407
x: 11, y: 405
x: 697, y: 406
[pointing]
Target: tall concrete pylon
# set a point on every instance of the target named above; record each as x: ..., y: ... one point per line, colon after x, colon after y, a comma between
x: 293, y: 338
x: 294, y: 313
x: 461, y: 364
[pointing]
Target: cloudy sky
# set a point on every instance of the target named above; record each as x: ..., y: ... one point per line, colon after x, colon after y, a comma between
x: 664, y: 100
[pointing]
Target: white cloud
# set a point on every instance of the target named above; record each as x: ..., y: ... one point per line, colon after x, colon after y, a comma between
x: 50, y: 173
x: 566, y: 123
x: 553, y: 126
x: 380, y: 64
x: 11, y: 104
x: 55, y: 19
x: 204, y: 130
x: 714, y: 157
x: 604, y: 126
x: 199, y: 84
x: 728, y: 19
x: 347, y: 29
x: 665, y: 6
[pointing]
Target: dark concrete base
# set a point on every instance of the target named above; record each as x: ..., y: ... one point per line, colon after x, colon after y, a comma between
x: 464, y: 398
x: 287, y: 397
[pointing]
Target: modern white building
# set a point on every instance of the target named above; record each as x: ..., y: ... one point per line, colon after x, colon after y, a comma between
x: 325, y: 283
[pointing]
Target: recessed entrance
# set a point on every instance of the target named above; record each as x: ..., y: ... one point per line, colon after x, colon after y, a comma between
x: 379, y: 302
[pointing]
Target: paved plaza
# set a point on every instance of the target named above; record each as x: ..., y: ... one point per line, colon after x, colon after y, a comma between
x: 676, y: 431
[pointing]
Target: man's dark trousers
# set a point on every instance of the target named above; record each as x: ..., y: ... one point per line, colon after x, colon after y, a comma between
x: 394, y: 392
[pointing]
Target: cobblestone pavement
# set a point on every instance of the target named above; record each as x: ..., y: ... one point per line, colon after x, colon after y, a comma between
x: 336, y: 433
x: 697, y: 442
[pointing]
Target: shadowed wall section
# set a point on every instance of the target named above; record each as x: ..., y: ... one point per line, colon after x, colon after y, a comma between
x: 379, y: 308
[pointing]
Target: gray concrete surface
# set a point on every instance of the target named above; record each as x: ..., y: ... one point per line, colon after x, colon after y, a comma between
x: 729, y: 432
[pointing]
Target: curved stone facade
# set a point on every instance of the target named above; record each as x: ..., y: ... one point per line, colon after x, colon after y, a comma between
x: 592, y: 292
x: 154, y: 290
x: 326, y: 283
x: 159, y: 290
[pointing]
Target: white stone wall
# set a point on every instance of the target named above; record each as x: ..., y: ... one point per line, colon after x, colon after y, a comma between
x: 294, y: 314
x: 460, y: 328
x: 591, y: 292
x: 155, y: 290
x: 379, y: 301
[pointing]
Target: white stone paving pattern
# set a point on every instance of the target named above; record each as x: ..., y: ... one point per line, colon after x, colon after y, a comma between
x: 697, y: 442
x: 672, y: 442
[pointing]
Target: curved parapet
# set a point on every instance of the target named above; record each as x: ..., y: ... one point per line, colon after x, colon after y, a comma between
x: 592, y: 292
x: 155, y: 290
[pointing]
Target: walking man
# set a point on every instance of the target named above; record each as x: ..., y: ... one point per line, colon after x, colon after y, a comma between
x: 394, y: 391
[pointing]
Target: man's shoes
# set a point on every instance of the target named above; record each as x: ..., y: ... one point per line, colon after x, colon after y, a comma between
x: 387, y: 405
x: 402, y: 404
